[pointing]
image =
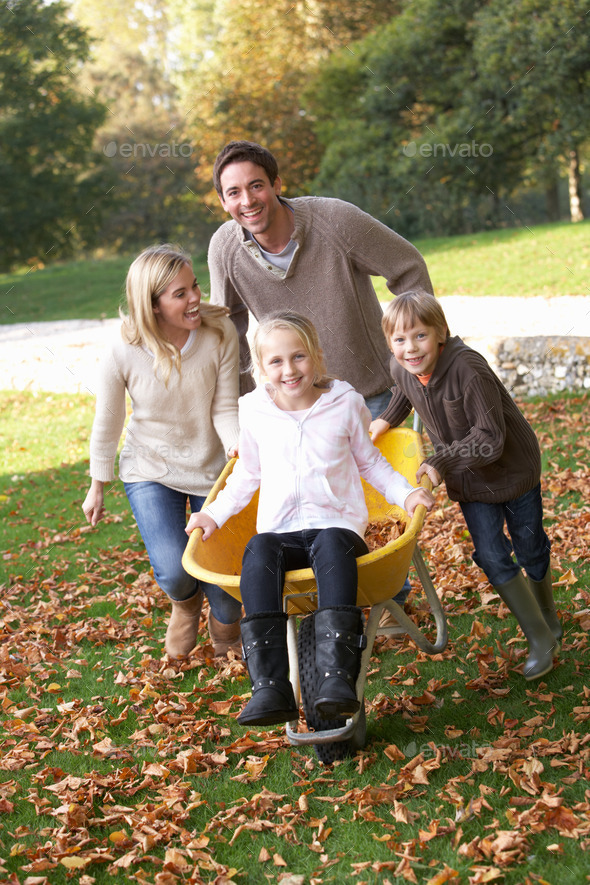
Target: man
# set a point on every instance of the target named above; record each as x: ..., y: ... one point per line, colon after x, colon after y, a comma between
x: 315, y: 255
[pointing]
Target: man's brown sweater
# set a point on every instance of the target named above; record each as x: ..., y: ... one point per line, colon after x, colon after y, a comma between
x: 339, y: 248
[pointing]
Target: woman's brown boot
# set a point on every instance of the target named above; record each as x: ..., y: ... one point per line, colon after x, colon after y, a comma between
x: 224, y: 637
x: 183, y: 626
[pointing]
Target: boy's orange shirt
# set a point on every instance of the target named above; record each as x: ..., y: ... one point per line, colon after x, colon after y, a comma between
x: 424, y: 379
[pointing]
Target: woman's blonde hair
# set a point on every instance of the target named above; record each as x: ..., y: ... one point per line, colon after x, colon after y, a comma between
x: 305, y: 331
x: 148, y: 277
x: 410, y: 308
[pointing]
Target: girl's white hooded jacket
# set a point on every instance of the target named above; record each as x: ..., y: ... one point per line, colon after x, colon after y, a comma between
x: 308, y: 470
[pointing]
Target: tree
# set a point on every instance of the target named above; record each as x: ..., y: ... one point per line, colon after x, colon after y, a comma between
x: 243, y: 72
x: 433, y: 122
x: 387, y: 114
x: 535, y: 60
x: 50, y: 179
x: 153, y: 195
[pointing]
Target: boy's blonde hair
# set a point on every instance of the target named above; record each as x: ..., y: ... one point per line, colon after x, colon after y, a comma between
x: 148, y: 277
x: 410, y: 308
x: 305, y: 331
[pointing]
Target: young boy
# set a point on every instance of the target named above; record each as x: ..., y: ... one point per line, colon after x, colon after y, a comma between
x: 488, y: 456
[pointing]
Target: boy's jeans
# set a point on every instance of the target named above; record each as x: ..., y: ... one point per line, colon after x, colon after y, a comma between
x: 493, y: 550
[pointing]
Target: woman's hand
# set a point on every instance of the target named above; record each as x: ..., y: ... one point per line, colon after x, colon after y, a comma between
x: 431, y: 472
x: 377, y: 428
x: 93, y: 505
x: 201, y: 521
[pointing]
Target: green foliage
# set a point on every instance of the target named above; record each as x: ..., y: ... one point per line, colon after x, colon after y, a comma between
x: 535, y: 67
x: 432, y: 122
x: 50, y: 179
x: 249, y: 64
x: 155, y: 194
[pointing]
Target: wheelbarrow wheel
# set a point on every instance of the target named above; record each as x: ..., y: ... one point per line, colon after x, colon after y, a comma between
x: 332, y: 751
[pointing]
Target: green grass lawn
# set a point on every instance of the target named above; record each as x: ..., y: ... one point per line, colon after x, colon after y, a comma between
x: 116, y: 765
x: 548, y: 260
x: 86, y: 289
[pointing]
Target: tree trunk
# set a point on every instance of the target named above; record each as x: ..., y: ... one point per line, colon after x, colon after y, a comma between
x: 575, y: 186
x: 552, y: 199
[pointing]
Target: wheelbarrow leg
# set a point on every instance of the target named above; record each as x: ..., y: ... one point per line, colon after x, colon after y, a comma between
x: 406, y: 623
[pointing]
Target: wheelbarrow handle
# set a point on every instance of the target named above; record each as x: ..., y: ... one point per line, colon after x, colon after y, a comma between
x: 426, y: 482
x: 419, y: 514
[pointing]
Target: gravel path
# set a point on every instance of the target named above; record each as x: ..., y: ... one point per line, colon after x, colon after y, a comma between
x: 63, y: 356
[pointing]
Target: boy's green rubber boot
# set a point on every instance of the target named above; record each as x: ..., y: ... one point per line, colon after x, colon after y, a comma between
x: 543, y: 593
x: 543, y: 645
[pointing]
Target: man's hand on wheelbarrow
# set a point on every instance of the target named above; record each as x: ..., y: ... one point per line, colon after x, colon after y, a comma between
x: 418, y: 496
x: 431, y: 472
x: 201, y: 521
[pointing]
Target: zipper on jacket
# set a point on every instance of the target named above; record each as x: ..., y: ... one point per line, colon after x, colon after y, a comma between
x: 298, y: 472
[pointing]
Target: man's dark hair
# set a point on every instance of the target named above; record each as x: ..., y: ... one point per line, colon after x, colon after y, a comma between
x: 243, y: 152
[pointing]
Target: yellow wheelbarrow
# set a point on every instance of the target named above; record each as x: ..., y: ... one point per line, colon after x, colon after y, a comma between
x: 381, y: 575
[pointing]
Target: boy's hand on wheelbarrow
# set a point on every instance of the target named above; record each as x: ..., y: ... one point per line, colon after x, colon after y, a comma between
x: 201, y: 521
x: 377, y: 428
x: 431, y: 472
x: 418, y: 496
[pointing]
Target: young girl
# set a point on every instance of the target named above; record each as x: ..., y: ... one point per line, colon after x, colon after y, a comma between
x: 178, y: 360
x: 304, y: 441
x: 488, y: 456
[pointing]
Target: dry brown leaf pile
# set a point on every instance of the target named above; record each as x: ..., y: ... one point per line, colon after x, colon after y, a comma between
x: 132, y: 804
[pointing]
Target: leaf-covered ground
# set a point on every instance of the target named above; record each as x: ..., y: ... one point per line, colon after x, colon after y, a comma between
x: 117, y: 764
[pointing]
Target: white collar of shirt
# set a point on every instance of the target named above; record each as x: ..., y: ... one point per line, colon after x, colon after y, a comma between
x: 191, y: 337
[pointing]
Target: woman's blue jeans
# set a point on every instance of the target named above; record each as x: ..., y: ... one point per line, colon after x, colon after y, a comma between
x: 160, y: 514
x: 331, y: 553
x: 493, y: 550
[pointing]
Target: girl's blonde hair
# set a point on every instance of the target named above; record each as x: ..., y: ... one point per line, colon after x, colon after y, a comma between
x: 305, y: 331
x: 148, y: 277
x: 410, y: 308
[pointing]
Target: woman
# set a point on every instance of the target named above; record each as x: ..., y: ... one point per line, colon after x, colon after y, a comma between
x: 178, y: 361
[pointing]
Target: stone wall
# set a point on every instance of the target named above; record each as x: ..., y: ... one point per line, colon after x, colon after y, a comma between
x: 540, y: 365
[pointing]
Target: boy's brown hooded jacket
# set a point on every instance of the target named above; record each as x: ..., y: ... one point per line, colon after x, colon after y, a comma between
x: 484, y: 448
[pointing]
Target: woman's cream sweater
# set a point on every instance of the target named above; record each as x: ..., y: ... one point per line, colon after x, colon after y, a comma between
x: 178, y: 434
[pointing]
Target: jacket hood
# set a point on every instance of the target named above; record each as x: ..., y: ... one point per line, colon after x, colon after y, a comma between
x: 453, y: 348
